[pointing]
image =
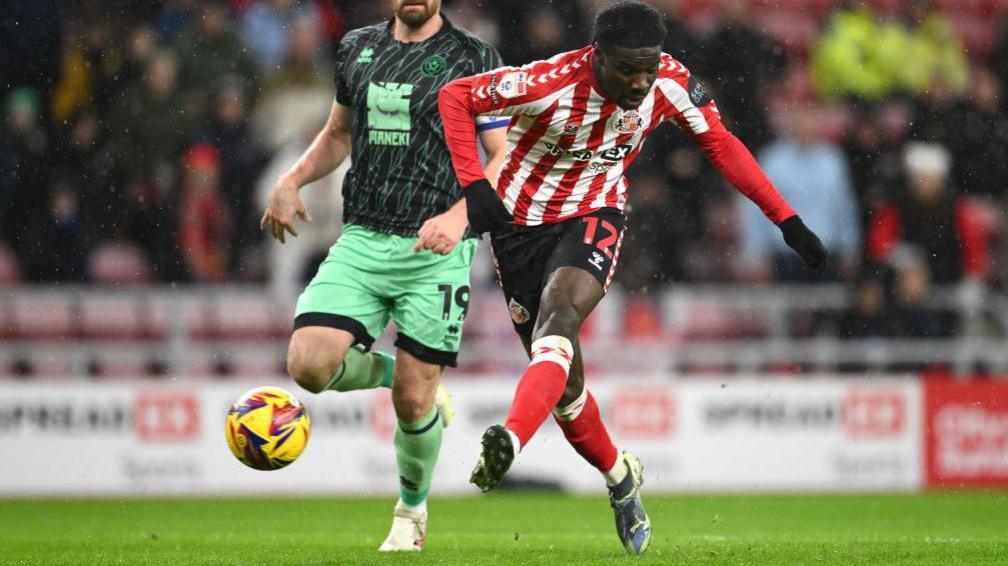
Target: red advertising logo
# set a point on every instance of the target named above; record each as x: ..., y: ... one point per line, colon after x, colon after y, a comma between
x: 966, y: 440
x: 644, y: 413
x: 874, y: 413
x: 166, y: 417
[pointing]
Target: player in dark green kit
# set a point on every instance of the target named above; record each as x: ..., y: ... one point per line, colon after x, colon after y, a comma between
x: 404, y: 253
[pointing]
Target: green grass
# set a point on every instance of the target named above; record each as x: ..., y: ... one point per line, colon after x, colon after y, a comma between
x: 512, y: 528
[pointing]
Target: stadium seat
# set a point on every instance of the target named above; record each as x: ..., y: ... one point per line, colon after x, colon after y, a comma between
x: 118, y: 263
x: 10, y: 272
x: 108, y: 317
x: 888, y: 7
x: 53, y: 369
x: 156, y: 323
x: 977, y: 32
x: 986, y: 8
x: 6, y: 321
x: 707, y: 321
x: 794, y: 32
x: 641, y: 319
x: 250, y: 317
x: 45, y: 315
x: 689, y: 9
x: 815, y: 9
x: 238, y: 361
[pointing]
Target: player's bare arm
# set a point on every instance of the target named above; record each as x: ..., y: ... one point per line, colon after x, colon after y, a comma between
x: 327, y: 151
x: 442, y: 233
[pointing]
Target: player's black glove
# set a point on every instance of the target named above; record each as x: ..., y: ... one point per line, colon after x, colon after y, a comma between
x: 484, y: 208
x: 804, y: 241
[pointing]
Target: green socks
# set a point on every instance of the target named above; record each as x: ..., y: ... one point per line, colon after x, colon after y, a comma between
x: 417, y: 446
x: 361, y: 370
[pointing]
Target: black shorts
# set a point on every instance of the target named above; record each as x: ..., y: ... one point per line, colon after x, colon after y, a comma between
x: 525, y: 257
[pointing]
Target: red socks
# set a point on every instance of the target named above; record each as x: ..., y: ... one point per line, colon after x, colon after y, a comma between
x: 538, y: 392
x: 581, y: 423
x: 540, y: 387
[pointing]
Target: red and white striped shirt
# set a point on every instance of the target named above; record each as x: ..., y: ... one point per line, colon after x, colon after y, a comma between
x: 569, y: 145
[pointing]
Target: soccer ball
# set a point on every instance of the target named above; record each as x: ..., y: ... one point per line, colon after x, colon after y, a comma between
x: 267, y: 428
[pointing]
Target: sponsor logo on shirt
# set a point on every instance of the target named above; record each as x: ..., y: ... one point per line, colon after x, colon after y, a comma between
x: 389, y: 121
x: 616, y: 153
x: 576, y: 154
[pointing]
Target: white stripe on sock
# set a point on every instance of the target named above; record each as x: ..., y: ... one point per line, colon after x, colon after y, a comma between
x: 572, y: 411
x: 556, y: 349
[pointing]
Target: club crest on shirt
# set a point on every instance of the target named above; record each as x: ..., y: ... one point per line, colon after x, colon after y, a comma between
x: 628, y: 122
x: 519, y: 314
x: 512, y: 85
x: 571, y: 129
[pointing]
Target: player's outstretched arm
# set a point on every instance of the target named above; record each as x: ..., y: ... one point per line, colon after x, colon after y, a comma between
x: 330, y: 147
x: 443, y: 232
x: 737, y: 165
x: 696, y: 114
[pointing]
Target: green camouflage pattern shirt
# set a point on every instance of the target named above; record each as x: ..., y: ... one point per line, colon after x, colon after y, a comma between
x: 402, y: 173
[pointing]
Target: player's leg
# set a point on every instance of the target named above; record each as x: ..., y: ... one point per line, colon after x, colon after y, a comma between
x: 320, y: 358
x: 431, y: 300
x: 562, y: 270
x: 579, y: 418
x: 568, y: 298
x: 577, y: 412
x: 579, y: 271
x: 417, y: 443
x: 338, y: 316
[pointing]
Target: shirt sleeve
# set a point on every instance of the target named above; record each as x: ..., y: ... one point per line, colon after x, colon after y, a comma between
x: 343, y: 94
x: 487, y: 59
x: 508, y: 91
x: 693, y: 110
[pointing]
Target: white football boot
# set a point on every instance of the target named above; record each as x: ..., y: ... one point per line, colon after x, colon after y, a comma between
x: 408, y: 531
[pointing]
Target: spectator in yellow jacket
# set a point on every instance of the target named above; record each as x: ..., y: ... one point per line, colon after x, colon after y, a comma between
x: 933, y: 52
x: 853, y: 57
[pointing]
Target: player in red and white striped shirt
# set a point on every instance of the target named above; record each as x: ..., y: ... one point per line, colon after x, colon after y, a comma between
x: 578, y: 120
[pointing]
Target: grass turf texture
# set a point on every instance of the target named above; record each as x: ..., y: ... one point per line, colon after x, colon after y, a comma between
x: 512, y: 528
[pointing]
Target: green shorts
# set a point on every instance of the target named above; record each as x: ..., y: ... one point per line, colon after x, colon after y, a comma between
x: 369, y: 277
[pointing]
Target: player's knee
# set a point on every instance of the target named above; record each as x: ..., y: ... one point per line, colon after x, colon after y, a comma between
x: 310, y: 376
x: 411, y: 403
x: 310, y: 367
x: 413, y: 399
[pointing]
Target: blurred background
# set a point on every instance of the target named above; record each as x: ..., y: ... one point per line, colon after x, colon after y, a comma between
x: 139, y: 142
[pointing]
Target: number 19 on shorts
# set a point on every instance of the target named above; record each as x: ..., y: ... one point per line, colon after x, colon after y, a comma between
x: 459, y: 296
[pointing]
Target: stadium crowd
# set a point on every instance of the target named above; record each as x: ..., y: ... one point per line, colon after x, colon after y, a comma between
x: 139, y: 140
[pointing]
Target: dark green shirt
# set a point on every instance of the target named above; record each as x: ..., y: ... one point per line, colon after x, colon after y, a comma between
x: 402, y: 173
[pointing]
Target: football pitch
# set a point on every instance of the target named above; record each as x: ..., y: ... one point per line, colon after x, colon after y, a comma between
x: 512, y: 528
